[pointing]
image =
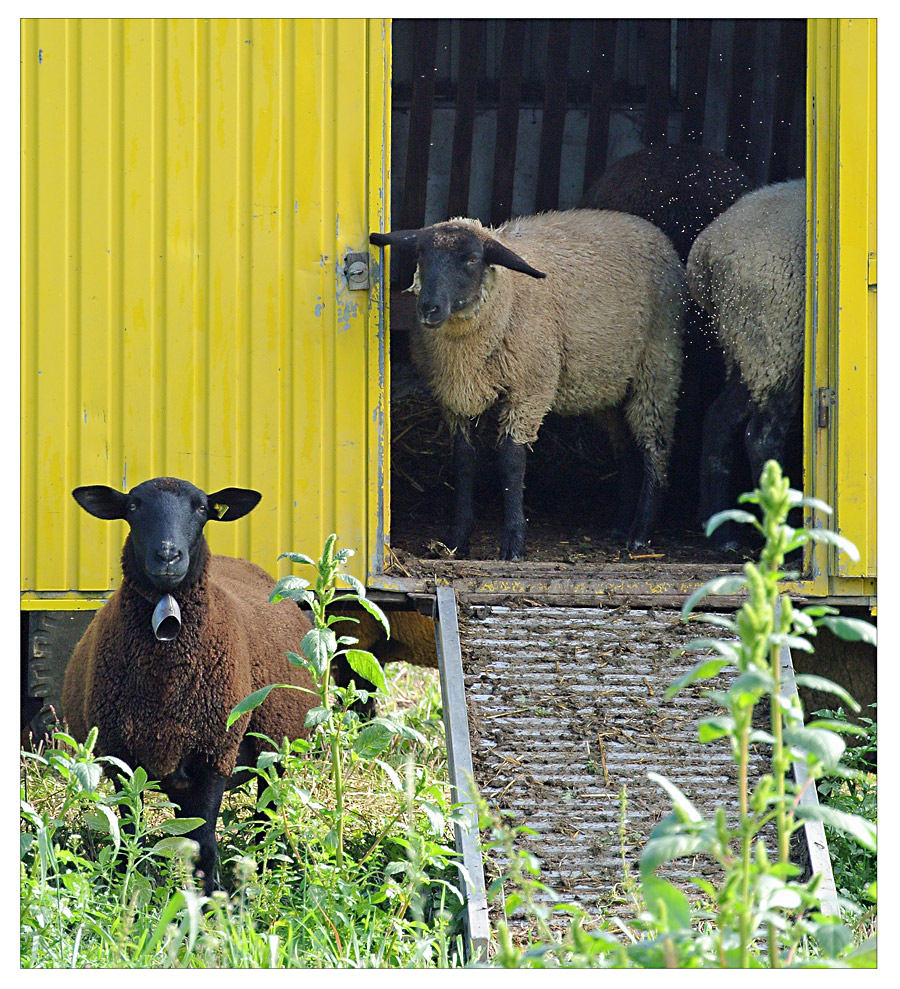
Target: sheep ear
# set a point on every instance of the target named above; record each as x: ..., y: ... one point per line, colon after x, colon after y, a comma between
x: 497, y: 253
x: 101, y: 502
x: 231, y: 503
x: 396, y: 238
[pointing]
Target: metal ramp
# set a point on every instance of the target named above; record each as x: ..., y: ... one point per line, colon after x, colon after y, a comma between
x: 553, y: 710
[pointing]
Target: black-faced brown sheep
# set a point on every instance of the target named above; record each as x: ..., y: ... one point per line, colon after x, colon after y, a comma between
x: 748, y: 271
x: 163, y: 704
x: 597, y: 323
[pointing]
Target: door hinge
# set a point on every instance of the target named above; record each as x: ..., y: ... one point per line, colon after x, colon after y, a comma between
x: 872, y: 271
x: 356, y: 268
x: 826, y: 401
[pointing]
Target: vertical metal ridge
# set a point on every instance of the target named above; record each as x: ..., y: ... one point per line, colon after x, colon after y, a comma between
x: 461, y: 772
x: 200, y: 253
x: 244, y: 264
x: 287, y: 113
x: 30, y: 293
x: 115, y: 244
x: 72, y: 291
x: 158, y: 188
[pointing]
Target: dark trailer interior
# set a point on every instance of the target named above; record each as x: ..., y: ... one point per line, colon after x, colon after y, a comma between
x: 500, y: 118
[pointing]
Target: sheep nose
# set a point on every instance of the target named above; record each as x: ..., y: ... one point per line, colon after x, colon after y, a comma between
x: 429, y: 312
x: 169, y: 553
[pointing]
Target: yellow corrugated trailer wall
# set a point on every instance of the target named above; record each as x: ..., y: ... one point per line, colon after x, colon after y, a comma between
x: 840, y: 419
x: 190, y: 189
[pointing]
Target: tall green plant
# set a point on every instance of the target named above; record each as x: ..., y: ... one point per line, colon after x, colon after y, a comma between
x: 333, y: 718
x: 763, y: 914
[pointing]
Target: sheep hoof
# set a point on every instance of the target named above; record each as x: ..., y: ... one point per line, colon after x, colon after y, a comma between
x: 458, y: 543
x: 512, y: 544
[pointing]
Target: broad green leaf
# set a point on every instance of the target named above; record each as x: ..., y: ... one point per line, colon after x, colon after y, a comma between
x: 297, y: 660
x: 817, y: 610
x: 834, y: 539
x: 824, y: 745
x: 318, y: 646
x: 719, y: 621
x: 705, y: 671
x: 88, y: 775
x: 251, y: 702
x: 289, y: 587
x: 375, y: 736
x: 26, y: 840
x: 791, y: 642
x: 748, y: 687
x: 102, y: 818
x: 668, y: 904
x: 852, y: 629
x: 669, y: 847
x: 175, y: 844
x: 316, y: 716
x: 434, y: 815
x: 865, y: 956
x: 858, y: 828
x: 376, y: 613
x: 681, y: 802
x: 833, y: 939
x: 728, y: 584
x: 298, y: 558
x: 827, y: 687
x: 357, y: 585
x: 367, y: 666
x: 179, y: 825
x: 730, y: 515
x: 391, y: 774
x: 714, y: 728
x: 798, y: 498
x: 266, y: 759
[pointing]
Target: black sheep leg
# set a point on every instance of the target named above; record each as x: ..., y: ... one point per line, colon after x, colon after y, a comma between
x: 723, y: 419
x: 647, y: 507
x: 512, y: 477
x: 462, y: 516
x: 203, y: 799
x: 767, y: 430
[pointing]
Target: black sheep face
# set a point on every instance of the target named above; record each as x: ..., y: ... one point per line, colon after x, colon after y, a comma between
x: 166, y: 517
x: 451, y: 263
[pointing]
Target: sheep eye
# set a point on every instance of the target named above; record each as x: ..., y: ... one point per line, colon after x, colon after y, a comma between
x: 473, y: 260
x: 202, y: 509
x: 132, y: 506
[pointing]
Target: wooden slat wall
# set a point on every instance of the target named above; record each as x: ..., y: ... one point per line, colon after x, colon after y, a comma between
x: 603, y: 54
x: 695, y: 72
x: 507, y: 121
x: 554, y: 117
x: 521, y: 92
x: 470, y: 46
x: 419, y: 143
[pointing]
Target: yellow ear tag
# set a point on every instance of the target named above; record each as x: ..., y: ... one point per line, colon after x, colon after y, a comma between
x: 220, y: 510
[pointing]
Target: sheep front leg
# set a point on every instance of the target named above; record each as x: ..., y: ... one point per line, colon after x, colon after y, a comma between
x: 203, y: 799
x: 512, y: 477
x: 462, y: 517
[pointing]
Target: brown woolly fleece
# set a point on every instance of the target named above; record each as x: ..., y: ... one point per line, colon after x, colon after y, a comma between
x: 748, y: 271
x: 603, y: 327
x: 412, y: 636
x: 163, y: 705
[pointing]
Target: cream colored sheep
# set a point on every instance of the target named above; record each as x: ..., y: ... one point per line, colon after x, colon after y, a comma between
x: 748, y: 271
x: 597, y: 324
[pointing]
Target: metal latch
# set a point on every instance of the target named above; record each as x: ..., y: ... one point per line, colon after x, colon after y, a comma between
x: 826, y: 401
x: 356, y: 268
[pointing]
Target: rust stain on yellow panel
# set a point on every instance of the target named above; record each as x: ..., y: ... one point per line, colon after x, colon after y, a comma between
x: 189, y: 191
